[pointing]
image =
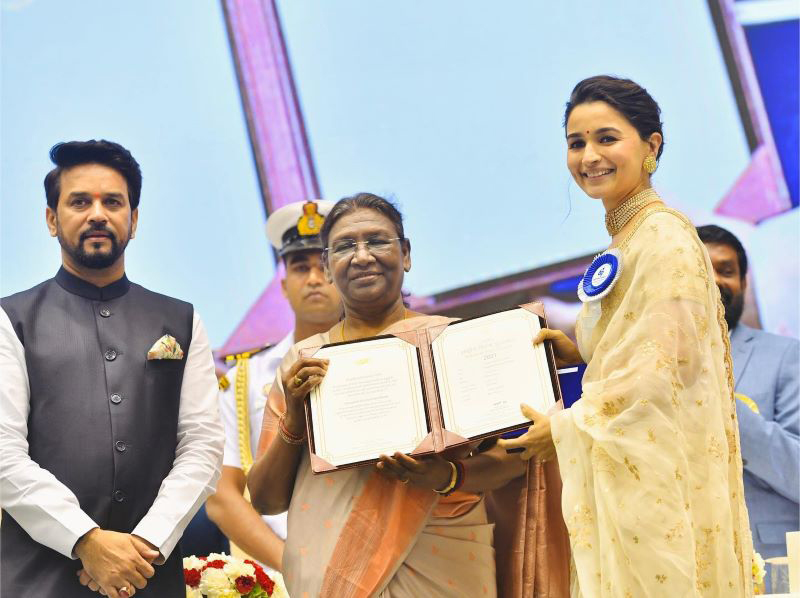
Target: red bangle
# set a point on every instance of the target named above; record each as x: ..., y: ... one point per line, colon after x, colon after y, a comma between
x: 287, y: 435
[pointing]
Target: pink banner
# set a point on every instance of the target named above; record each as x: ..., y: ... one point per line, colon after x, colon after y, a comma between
x: 280, y: 147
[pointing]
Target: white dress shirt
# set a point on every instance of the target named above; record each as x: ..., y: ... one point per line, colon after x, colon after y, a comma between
x: 49, y: 512
x: 260, y: 376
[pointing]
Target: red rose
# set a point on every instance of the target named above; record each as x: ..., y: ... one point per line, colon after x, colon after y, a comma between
x: 191, y: 577
x: 244, y: 585
x: 255, y: 565
x: 218, y: 564
x: 264, y: 581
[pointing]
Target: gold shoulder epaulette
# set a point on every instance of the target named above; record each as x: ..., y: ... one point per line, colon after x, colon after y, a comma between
x: 223, y: 382
x: 246, y: 354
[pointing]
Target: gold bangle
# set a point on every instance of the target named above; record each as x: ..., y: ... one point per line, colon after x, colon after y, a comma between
x: 453, y: 479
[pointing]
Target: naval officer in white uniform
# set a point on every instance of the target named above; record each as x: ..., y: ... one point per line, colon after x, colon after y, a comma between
x: 294, y: 232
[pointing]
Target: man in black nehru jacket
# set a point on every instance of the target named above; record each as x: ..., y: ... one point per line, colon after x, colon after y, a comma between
x: 109, y: 434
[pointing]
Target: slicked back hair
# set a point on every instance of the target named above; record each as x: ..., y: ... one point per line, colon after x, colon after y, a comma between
x: 67, y: 154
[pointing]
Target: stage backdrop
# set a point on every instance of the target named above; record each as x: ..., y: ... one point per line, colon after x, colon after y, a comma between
x: 452, y: 108
x: 456, y: 110
x: 158, y: 78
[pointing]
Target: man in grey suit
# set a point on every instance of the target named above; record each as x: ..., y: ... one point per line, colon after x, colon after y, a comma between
x: 767, y: 377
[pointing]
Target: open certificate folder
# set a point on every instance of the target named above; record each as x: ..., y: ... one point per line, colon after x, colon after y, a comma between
x: 427, y: 390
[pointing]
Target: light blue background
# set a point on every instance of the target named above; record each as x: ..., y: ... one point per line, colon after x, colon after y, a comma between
x: 157, y: 77
x: 455, y: 108
x: 452, y: 107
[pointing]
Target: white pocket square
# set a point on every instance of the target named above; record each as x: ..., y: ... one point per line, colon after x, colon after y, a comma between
x: 167, y: 347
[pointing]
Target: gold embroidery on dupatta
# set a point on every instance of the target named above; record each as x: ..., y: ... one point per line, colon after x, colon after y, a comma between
x: 715, y: 449
x: 602, y: 461
x: 675, y: 533
x: 701, y: 323
x: 580, y: 527
x: 633, y: 469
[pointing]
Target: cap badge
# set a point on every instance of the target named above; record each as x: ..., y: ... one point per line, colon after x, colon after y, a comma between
x: 311, y: 221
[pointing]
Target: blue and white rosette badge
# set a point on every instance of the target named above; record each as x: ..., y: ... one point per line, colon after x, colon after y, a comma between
x: 597, y: 282
x: 600, y: 276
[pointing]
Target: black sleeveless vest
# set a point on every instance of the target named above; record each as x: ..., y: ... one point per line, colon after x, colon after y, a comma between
x: 103, y: 419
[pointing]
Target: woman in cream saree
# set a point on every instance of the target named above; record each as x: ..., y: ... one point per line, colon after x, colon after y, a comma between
x: 649, y: 456
x: 384, y: 531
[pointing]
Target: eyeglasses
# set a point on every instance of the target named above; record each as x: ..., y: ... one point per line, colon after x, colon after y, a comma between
x: 346, y: 248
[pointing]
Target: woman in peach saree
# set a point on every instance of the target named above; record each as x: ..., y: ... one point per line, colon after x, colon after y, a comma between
x: 393, y: 530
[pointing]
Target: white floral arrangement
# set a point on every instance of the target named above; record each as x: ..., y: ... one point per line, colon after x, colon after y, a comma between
x: 223, y: 576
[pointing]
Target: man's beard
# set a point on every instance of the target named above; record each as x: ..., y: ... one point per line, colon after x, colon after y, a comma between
x: 96, y: 260
x: 733, y: 304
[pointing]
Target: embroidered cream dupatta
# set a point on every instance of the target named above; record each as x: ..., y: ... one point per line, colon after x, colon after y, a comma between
x: 354, y: 533
x: 649, y: 457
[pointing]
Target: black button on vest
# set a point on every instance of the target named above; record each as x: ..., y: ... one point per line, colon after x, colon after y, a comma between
x: 80, y: 366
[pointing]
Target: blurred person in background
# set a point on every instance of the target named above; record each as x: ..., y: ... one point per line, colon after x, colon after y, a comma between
x: 766, y: 371
x: 293, y: 231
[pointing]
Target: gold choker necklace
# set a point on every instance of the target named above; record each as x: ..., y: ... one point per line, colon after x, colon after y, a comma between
x: 622, y: 214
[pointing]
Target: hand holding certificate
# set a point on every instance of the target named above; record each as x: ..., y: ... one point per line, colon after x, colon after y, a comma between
x: 423, y: 391
x: 485, y: 367
x: 369, y: 403
x: 305, y: 374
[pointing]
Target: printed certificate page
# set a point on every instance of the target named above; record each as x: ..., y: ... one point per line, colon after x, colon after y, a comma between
x: 369, y: 403
x: 486, y: 367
